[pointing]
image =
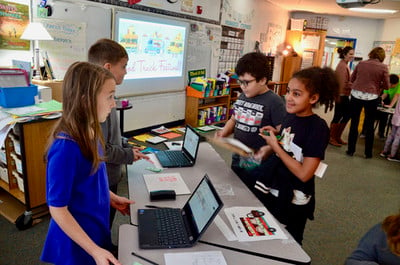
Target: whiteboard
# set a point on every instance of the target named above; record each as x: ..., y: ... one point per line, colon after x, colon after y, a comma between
x: 96, y: 24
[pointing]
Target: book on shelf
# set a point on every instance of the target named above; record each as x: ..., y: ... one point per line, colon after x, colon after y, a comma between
x: 47, y: 66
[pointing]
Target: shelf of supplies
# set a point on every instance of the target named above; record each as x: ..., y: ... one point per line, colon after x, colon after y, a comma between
x: 209, y: 105
x: 15, y: 192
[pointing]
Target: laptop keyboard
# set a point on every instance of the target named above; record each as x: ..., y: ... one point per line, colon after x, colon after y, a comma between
x: 175, y: 158
x: 170, y: 227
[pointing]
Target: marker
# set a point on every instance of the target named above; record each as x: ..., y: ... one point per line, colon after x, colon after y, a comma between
x: 143, y: 258
x: 267, y: 134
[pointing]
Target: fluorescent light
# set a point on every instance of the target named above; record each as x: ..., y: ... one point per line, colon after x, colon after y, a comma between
x: 376, y: 11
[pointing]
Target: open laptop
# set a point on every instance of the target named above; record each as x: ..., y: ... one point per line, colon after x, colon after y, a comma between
x: 191, y: 221
x: 186, y: 157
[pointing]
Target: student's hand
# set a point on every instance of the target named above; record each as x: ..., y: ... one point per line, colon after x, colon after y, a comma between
x: 120, y: 203
x: 268, y: 129
x: 104, y: 257
x: 137, y: 155
x: 262, y: 153
x: 218, y: 134
x: 270, y: 138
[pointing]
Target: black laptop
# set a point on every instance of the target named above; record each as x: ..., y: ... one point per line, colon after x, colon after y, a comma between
x: 186, y: 157
x: 179, y: 228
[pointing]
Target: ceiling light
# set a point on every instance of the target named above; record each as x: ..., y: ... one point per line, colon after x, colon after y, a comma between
x: 376, y: 11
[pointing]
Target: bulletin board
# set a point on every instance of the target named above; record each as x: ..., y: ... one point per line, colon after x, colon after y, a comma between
x: 204, y: 48
x: 203, y: 10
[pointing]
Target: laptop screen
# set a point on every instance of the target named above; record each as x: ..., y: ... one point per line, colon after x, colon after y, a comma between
x: 191, y: 142
x: 203, y: 205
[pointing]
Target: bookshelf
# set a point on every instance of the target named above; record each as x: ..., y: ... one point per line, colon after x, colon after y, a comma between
x: 23, y: 176
x: 201, y: 110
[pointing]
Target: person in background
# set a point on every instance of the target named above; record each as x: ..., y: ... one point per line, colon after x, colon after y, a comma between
x: 393, y: 141
x: 342, y: 111
x: 387, y: 97
x: 369, y: 78
x: 256, y: 106
x: 287, y: 187
x: 113, y: 57
x: 76, y: 183
x: 380, y: 245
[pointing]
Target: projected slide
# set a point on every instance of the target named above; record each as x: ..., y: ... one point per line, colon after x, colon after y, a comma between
x: 155, y: 49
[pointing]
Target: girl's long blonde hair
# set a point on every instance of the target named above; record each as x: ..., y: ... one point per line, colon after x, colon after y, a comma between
x: 82, y: 83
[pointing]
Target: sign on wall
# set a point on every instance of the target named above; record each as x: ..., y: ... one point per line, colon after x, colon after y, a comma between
x: 68, y: 44
x: 13, y: 20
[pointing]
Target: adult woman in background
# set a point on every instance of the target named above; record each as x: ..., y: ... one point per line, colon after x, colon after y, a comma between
x: 342, y: 111
x: 369, y: 78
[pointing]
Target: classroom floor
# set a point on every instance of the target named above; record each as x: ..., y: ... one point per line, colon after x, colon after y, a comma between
x: 354, y: 194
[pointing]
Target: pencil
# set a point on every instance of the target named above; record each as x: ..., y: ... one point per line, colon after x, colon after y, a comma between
x: 143, y: 258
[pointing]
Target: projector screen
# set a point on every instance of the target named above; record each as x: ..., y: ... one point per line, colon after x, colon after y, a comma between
x: 157, y: 53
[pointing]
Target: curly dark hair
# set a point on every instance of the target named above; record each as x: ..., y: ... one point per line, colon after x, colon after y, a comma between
x: 255, y: 64
x: 321, y: 81
x: 391, y: 226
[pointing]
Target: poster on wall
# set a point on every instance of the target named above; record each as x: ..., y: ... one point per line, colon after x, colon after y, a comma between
x: 271, y: 39
x: 68, y: 44
x: 13, y: 20
x: 237, y: 13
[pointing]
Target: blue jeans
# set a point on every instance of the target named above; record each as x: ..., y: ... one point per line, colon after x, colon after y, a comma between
x: 370, y: 107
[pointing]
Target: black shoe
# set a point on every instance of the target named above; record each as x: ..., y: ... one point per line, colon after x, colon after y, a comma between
x: 349, y: 153
x: 367, y: 156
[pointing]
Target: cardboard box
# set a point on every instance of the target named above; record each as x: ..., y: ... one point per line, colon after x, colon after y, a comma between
x: 13, y: 97
x: 55, y: 85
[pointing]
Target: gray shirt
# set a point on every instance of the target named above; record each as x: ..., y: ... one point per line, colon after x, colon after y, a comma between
x: 116, y: 154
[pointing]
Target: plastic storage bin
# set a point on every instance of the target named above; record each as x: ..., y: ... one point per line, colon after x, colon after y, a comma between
x: 12, y: 97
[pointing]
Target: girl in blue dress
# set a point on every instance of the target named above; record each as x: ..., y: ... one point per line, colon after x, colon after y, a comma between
x: 76, y: 185
x: 287, y: 186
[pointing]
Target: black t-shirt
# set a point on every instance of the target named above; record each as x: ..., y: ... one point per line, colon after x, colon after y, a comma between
x: 311, y: 134
x: 253, y: 113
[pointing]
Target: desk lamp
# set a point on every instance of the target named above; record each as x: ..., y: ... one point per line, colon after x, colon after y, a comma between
x: 36, y: 31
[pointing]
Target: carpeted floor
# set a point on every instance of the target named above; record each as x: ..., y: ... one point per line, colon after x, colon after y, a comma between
x: 354, y: 194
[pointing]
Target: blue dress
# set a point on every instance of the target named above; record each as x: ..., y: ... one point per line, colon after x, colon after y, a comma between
x: 70, y: 183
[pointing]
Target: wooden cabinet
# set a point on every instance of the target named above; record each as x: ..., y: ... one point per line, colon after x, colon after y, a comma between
x: 211, y: 110
x: 24, y: 168
x: 309, y: 50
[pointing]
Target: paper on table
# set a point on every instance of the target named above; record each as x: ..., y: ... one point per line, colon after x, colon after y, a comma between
x: 254, y: 224
x: 226, y: 231
x: 42, y: 108
x: 156, y: 140
x: 200, y: 257
x: 166, y: 181
x: 171, y: 135
x: 174, y: 145
x: 154, y: 161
